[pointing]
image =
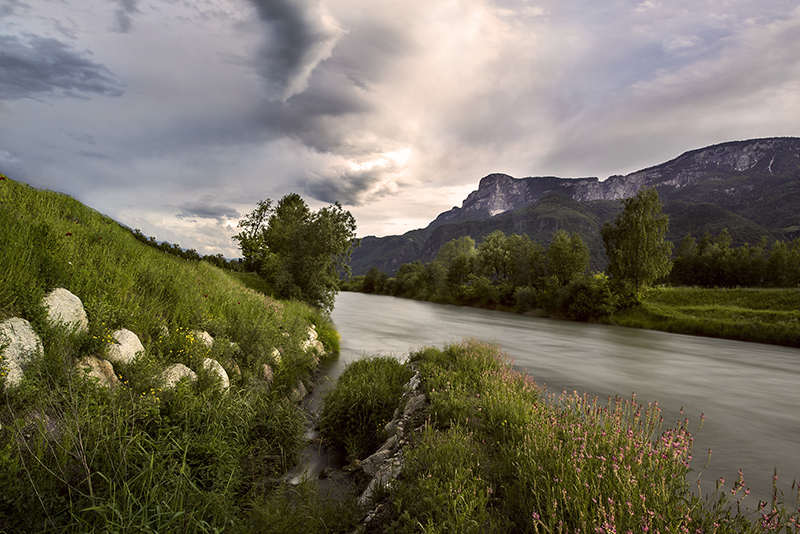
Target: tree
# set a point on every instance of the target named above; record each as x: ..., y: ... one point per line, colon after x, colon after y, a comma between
x: 635, y: 246
x: 567, y: 257
x: 300, y: 252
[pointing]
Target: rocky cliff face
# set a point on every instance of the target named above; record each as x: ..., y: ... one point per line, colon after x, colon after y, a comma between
x: 499, y: 193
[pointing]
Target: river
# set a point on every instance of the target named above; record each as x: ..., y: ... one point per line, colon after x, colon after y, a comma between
x: 749, y: 392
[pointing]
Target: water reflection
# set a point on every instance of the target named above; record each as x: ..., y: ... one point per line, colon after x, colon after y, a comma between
x: 749, y: 392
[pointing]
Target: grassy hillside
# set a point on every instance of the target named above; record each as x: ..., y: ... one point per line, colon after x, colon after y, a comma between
x: 79, y: 458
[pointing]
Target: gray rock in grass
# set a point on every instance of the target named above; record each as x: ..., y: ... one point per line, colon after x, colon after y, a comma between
x: 65, y: 308
x: 19, y: 346
x: 175, y: 373
x: 125, y: 348
x: 215, y: 367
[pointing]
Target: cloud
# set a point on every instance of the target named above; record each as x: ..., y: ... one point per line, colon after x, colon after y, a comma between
x: 299, y: 35
x: 47, y: 66
x: 205, y: 209
x: 352, y: 186
x: 11, y: 166
x: 124, y: 15
x: 8, y: 7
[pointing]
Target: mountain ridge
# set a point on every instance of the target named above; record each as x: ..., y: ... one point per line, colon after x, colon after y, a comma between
x: 752, y: 183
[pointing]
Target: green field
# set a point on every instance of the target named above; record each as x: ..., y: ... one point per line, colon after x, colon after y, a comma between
x: 757, y: 315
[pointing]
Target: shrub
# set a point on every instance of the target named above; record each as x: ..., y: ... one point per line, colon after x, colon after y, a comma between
x: 588, y: 297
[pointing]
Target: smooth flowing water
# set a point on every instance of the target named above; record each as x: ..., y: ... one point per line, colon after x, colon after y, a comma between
x: 749, y: 392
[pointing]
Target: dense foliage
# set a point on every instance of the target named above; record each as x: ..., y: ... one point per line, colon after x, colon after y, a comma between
x: 299, y: 252
x: 363, y: 401
x: 500, y: 454
x: 502, y: 272
x: 713, y: 262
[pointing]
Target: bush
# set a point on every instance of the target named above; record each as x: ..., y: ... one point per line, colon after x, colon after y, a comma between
x: 588, y: 297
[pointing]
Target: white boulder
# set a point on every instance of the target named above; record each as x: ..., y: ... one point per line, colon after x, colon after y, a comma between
x: 204, y: 338
x: 125, y: 348
x: 174, y: 373
x: 65, y: 308
x: 213, y: 366
x: 99, y: 370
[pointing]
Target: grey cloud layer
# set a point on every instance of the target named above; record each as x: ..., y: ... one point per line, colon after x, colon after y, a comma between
x: 298, y: 37
x: 206, y: 209
x: 124, y: 14
x: 44, y: 65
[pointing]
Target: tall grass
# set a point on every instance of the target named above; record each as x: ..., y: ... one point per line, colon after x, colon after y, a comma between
x: 502, y: 455
x: 363, y: 401
x: 81, y: 458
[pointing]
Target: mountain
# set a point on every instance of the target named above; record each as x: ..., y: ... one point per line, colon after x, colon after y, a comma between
x: 750, y: 187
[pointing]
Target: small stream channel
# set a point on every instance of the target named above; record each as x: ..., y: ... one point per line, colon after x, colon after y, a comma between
x: 320, y: 464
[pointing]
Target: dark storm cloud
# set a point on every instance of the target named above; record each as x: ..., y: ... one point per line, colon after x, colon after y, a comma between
x: 348, y: 187
x: 207, y: 210
x: 300, y: 35
x: 45, y: 65
x: 127, y: 8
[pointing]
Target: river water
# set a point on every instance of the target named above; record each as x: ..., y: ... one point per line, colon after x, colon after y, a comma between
x: 749, y: 392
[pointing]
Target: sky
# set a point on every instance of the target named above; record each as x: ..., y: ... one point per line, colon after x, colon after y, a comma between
x: 176, y: 117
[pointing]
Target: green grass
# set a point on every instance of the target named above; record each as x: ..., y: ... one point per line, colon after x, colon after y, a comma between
x: 363, y: 401
x: 502, y: 455
x: 78, y: 458
x: 757, y: 315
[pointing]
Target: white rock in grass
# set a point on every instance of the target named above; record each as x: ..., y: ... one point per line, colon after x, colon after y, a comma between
x: 125, y: 348
x: 214, y: 366
x: 19, y: 346
x: 204, y: 338
x: 65, y: 308
x: 174, y: 373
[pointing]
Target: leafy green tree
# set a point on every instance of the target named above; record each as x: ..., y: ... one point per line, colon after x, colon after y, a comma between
x: 567, y: 257
x: 494, y: 256
x: 527, y: 264
x: 455, y: 248
x: 374, y: 281
x: 300, y: 252
x: 637, y: 252
x: 409, y: 279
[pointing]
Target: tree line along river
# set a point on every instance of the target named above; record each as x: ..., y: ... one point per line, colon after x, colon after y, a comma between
x: 748, y: 392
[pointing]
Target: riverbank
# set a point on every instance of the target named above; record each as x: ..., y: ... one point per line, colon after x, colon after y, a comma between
x: 757, y: 315
x: 500, y: 454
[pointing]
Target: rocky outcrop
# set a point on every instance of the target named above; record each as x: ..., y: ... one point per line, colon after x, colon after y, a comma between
x: 19, y: 346
x: 125, y: 348
x: 499, y: 193
x: 67, y: 309
x: 382, y: 467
